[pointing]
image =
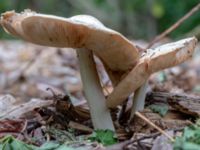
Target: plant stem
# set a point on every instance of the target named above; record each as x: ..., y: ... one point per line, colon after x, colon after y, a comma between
x: 100, y: 114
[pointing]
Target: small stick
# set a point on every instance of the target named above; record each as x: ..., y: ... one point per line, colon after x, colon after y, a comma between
x: 174, y: 26
x: 30, y: 63
x: 23, y: 70
x: 79, y: 127
x: 138, y: 114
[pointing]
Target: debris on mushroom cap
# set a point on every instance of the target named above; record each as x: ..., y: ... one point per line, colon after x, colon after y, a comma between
x: 6, y: 20
x: 10, y: 21
x: 165, y: 56
x: 81, y: 31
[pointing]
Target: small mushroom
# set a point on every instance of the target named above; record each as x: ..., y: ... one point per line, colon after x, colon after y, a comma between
x: 154, y: 60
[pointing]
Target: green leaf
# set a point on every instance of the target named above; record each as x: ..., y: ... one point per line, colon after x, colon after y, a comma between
x: 64, y: 147
x: 54, y: 146
x: 196, y: 88
x: 190, y: 140
x: 106, y: 137
x: 161, y: 109
x: 49, y: 146
x: 180, y: 144
x: 10, y: 143
x: 161, y: 76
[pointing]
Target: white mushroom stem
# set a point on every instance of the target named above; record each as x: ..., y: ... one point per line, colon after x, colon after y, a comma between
x: 162, y: 57
x: 138, y: 100
x: 100, y: 114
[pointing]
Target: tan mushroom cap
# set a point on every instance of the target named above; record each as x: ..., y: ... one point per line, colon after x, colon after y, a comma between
x: 81, y: 31
x: 157, y: 59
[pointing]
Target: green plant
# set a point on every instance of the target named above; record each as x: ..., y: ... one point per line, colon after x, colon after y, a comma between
x: 11, y: 143
x: 190, y: 140
x: 106, y: 137
x: 160, y: 109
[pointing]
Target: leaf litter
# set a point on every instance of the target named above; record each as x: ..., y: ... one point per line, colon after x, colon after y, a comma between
x: 45, y: 108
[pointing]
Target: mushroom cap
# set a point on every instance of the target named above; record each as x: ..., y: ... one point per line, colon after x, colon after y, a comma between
x: 81, y: 31
x: 162, y: 57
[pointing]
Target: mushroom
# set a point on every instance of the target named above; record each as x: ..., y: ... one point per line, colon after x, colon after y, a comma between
x: 162, y: 57
x: 87, y: 35
x: 122, y: 61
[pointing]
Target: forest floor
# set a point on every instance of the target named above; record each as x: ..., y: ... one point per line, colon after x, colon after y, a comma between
x: 41, y: 100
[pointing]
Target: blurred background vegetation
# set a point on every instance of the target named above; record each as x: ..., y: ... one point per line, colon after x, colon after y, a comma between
x: 137, y: 19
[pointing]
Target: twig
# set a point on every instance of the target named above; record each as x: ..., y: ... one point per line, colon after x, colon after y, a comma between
x: 30, y: 63
x: 124, y: 144
x: 138, y: 114
x: 174, y: 26
x: 80, y: 127
x: 154, y: 135
x: 25, y: 126
x: 23, y: 70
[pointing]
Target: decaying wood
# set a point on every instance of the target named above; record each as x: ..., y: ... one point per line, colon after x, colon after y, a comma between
x: 80, y: 127
x: 160, y: 58
x: 71, y: 112
x: 186, y: 104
